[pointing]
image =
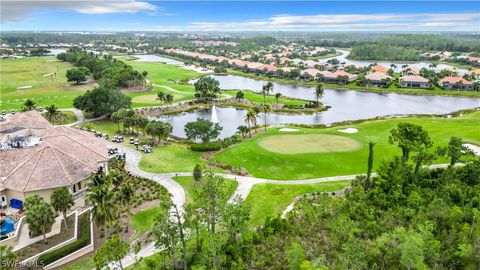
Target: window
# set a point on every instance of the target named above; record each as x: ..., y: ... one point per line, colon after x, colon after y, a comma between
x: 79, y: 185
x: 74, y: 189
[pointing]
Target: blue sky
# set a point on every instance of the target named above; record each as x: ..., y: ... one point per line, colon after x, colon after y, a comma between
x: 137, y: 15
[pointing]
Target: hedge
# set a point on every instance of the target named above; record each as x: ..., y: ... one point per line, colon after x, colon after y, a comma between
x: 82, y: 241
x: 206, y: 147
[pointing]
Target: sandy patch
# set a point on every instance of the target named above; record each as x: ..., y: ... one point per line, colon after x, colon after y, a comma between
x: 288, y: 130
x: 307, y: 143
x: 48, y: 74
x: 473, y: 147
x: 24, y: 87
x: 348, y: 130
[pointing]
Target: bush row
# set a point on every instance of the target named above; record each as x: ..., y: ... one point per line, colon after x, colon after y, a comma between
x: 206, y: 147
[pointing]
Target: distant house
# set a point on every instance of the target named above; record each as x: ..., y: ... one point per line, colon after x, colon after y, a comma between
x: 378, y: 79
x: 269, y: 69
x: 309, y: 74
x: 455, y: 83
x: 379, y: 68
x: 283, y: 60
x: 254, y: 66
x: 310, y: 63
x: 339, y: 76
x: 413, y: 81
x: 410, y: 71
x: 475, y: 73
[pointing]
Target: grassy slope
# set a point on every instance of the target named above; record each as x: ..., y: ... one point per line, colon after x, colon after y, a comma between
x: 29, y: 71
x: 270, y: 199
x: 262, y: 163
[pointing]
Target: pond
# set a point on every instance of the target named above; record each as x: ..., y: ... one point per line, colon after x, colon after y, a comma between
x: 345, y: 105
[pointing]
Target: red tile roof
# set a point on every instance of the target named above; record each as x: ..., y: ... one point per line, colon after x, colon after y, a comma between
x: 453, y: 80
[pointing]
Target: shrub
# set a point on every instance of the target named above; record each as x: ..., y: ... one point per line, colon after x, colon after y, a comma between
x: 82, y: 241
x: 206, y: 147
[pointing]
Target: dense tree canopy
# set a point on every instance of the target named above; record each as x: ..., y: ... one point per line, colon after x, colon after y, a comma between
x: 203, y: 130
x: 104, y: 99
x: 383, y: 52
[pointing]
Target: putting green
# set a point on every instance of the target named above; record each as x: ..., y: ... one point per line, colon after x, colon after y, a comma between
x: 308, y: 143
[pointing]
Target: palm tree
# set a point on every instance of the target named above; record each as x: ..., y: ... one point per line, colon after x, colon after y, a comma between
x: 125, y: 196
x: 265, y: 109
x: 251, y: 120
x: 161, y: 96
x: 29, y: 105
x: 52, y: 112
x: 266, y: 89
x: 319, y: 93
x: 169, y: 99
x: 243, y: 130
x: 393, y: 66
x: 62, y: 201
x: 102, y: 201
x: 278, y: 96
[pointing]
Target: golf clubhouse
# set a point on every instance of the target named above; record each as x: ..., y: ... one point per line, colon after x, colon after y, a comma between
x: 37, y: 158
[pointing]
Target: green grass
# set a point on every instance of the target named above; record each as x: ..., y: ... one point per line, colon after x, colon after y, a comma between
x: 86, y: 263
x: 262, y: 163
x: 171, y: 158
x: 67, y: 118
x: 144, y: 220
x: 29, y: 71
x: 324, y: 56
x: 187, y: 183
x: 270, y: 99
x: 270, y: 199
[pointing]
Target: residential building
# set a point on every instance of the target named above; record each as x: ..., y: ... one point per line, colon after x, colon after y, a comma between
x: 37, y: 158
x: 378, y: 79
x: 455, y: 83
x: 413, y: 81
x: 379, y: 68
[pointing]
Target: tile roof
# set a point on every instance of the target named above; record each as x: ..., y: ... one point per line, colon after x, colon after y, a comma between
x: 377, y: 76
x: 453, y: 80
x: 64, y: 156
x: 379, y: 68
x: 414, y: 78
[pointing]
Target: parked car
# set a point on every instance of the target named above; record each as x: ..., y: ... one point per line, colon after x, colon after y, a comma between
x: 3, y: 112
x: 146, y: 148
x: 132, y: 140
x: 12, y: 111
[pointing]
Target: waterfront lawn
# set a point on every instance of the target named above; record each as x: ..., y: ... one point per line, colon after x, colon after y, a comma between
x: 273, y: 165
x: 44, y: 90
x: 146, y: 99
x: 270, y: 99
x: 271, y: 199
x: 187, y: 183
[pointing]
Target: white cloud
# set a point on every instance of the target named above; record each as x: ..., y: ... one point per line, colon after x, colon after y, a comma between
x: 327, y: 22
x: 18, y: 10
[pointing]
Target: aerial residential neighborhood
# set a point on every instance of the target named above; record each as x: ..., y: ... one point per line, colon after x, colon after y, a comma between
x: 297, y: 135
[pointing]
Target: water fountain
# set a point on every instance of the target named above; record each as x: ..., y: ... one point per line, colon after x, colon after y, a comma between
x: 214, y: 115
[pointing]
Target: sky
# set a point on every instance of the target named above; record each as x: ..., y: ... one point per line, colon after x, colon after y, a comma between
x: 191, y: 16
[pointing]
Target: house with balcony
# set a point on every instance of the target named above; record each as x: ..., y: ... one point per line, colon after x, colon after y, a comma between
x: 413, y: 81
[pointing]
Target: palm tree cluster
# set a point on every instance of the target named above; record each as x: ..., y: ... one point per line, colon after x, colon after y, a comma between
x: 251, y: 120
x: 29, y: 105
x: 133, y: 123
x: 110, y: 196
x: 164, y: 98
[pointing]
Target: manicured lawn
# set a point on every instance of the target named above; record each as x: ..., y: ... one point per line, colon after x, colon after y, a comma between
x: 86, y: 263
x: 273, y: 165
x: 270, y: 99
x: 270, y: 199
x: 187, y: 183
x: 44, y: 90
x: 67, y: 118
x: 146, y: 99
x: 143, y: 221
x: 171, y: 158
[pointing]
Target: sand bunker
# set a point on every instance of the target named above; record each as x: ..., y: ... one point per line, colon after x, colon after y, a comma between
x: 48, y: 74
x: 348, y: 130
x: 24, y: 87
x: 288, y: 130
x: 473, y: 147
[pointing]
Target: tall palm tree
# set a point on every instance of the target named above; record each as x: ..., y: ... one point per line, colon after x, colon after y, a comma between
x: 103, y: 204
x: 319, y: 93
x: 52, y: 112
x: 266, y: 90
x: 278, y: 96
x: 125, y: 196
x: 251, y: 120
x: 266, y: 108
x: 62, y: 201
x: 169, y: 99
